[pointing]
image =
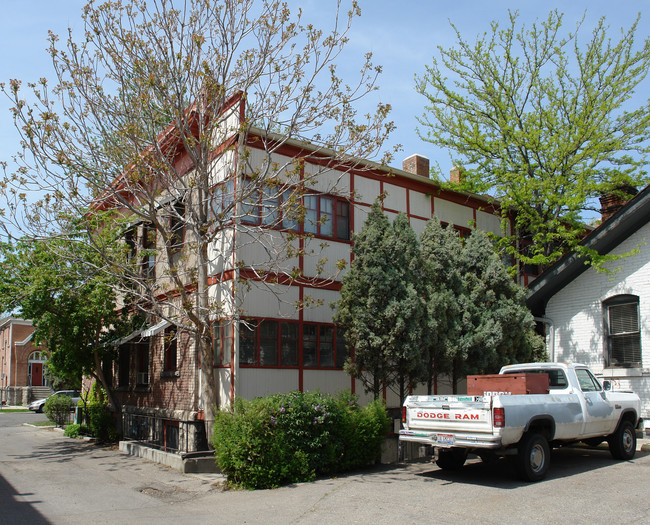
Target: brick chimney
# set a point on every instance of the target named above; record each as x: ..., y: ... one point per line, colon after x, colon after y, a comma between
x: 416, y: 164
x: 610, y: 204
x: 456, y: 175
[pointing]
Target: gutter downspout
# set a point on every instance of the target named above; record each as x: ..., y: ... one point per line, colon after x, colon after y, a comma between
x: 549, y: 322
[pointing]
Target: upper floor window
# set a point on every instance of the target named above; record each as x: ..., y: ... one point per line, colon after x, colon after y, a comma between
x: 324, y: 215
x: 149, y: 249
x: 622, y: 331
x: 177, y: 227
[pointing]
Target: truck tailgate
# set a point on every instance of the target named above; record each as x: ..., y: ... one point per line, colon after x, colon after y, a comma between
x: 448, y: 420
x: 452, y: 413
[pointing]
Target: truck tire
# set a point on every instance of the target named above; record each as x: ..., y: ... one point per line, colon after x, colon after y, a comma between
x: 622, y: 443
x: 534, y: 457
x: 451, y: 459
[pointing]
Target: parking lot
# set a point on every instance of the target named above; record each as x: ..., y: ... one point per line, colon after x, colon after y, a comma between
x: 48, y: 478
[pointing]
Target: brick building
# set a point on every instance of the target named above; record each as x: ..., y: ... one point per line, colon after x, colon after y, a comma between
x: 22, y: 365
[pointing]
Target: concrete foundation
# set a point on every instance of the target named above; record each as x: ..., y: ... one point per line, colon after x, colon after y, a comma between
x: 185, y: 463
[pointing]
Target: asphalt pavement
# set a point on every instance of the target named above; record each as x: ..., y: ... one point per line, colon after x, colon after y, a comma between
x: 48, y: 478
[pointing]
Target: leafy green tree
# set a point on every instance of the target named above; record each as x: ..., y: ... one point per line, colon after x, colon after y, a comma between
x: 441, y: 254
x: 542, y: 121
x: 496, y: 327
x: 381, y: 307
x: 156, y: 102
x: 73, y: 307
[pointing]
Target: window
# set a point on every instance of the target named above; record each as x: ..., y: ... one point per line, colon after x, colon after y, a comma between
x: 124, y: 365
x: 177, y: 227
x: 588, y: 383
x: 221, y: 342
x: 142, y: 364
x: 222, y: 202
x: 149, y: 255
x: 323, y: 346
x: 324, y: 215
x: 130, y: 240
x: 622, y: 330
x: 556, y: 377
x: 327, y: 216
x: 170, y: 345
x: 271, y: 343
x: 247, y: 344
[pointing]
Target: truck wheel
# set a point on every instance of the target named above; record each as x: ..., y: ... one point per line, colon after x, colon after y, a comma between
x: 534, y: 457
x: 622, y: 443
x: 451, y: 459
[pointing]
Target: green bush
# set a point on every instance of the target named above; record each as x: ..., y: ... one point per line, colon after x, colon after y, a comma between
x: 98, y: 417
x: 57, y: 409
x: 75, y: 430
x: 290, y: 438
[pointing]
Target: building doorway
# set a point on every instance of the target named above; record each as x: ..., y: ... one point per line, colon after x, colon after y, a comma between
x: 36, y: 369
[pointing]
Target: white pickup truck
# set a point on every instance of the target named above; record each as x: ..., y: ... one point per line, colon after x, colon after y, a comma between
x: 576, y: 408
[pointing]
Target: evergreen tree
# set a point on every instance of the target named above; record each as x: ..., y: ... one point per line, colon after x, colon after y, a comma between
x: 496, y: 327
x: 441, y: 252
x: 364, y: 294
x: 406, y: 312
x: 381, y: 307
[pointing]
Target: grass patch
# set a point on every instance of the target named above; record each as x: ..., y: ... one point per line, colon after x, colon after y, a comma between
x: 42, y: 424
x: 13, y: 410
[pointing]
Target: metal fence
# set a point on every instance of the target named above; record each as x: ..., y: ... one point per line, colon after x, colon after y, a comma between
x: 164, y: 434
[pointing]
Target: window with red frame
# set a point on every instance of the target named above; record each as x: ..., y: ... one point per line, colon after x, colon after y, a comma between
x: 323, y: 346
x: 324, y: 215
x: 221, y: 342
x: 270, y: 343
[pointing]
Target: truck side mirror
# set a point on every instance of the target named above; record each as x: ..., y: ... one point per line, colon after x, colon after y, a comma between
x: 607, y: 385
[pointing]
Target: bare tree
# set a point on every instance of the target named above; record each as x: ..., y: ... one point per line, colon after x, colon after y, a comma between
x: 171, y: 120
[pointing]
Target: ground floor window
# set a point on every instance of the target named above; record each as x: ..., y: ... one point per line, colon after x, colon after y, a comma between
x: 622, y: 329
x: 289, y: 344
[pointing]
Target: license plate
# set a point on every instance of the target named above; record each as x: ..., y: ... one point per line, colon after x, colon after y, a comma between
x: 445, y: 439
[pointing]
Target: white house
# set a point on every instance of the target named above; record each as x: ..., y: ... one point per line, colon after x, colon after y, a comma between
x: 601, y: 318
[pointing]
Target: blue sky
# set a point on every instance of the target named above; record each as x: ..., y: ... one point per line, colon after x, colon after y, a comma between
x: 403, y: 37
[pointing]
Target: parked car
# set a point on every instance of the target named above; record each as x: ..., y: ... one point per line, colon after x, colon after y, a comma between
x: 37, y: 406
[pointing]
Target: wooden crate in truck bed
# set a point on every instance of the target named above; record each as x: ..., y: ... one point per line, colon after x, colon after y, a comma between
x: 507, y: 384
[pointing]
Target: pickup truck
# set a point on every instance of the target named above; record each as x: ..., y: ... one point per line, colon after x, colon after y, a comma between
x: 524, y: 427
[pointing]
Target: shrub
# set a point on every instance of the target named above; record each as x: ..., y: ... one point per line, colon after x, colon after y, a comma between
x: 75, y: 430
x: 98, y: 417
x: 57, y: 409
x: 290, y: 438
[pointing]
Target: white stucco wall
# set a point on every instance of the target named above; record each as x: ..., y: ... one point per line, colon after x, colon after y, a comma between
x: 577, y: 316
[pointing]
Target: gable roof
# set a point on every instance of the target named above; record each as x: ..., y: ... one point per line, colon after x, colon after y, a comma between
x: 612, y: 232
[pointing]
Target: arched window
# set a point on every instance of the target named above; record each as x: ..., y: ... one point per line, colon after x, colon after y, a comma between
x: 621, y: 317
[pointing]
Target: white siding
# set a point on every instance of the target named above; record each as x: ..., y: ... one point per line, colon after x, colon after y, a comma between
x: 327, y: 381
x: 322, y: 313
x: 453, y: 213
x: 395, y: 197
x: 256, y: 382
x: 420, y: 203
x: 577, y: 315
x: 488, y: 222
x: 367, y: 190
x: 322, y: 257
x: 269, y: 300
